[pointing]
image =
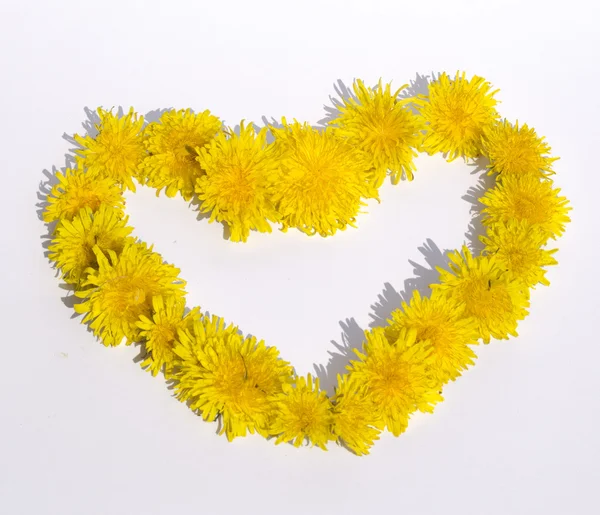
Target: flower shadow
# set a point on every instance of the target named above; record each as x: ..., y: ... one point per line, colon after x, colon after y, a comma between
x: 390, y: 299
x: 332, y: 111
x: 418, y: 86
x: 476, y: 227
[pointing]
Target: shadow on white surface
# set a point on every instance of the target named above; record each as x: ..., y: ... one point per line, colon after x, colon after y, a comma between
x: 388, y: 300
x: 474, y: 193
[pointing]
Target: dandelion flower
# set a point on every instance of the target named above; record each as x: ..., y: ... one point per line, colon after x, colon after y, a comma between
x: 321, y: 182
x: 222, y: 374
x: 117, y: 151
x: 159, y: 331
x: 398, y: 377
x: 72, y: 246
x: 172, y: 143
x: 77, y: 190
x: 494, y: 299
x: 527, y: 199
x: 516, y: 151
x: 383, y: 128
x: 121, y: 291
x: 518, y: 248
x: 303, y: 413
x: 457, y: 113
x: 442, y: 323
x: 236, y: 188
x: 355, y: 416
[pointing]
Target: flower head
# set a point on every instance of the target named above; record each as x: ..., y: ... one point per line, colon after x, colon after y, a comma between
x: 516, y: 151
x: 321, y: 182
x: 355, y: 416
x: 457, y: 112
x: 121, y: 291
x: 236, y: 188
x: 117, y: 151
x: 220, y: 373
x: 172, y: 143
x: 74, y: 241
x: 441, y: 322
x: 159, y: 331
x: 78, y: 190
x: 528, y: 199
x: 303, y: 413
x: 398, y: 377
x: 518, y: 248
x: 491, y: 297
x: 383, y: 128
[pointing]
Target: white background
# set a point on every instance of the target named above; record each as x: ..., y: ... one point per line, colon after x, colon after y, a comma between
x: 83, y: 430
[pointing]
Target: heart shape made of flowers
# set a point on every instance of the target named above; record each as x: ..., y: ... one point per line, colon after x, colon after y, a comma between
x: 315, y: 180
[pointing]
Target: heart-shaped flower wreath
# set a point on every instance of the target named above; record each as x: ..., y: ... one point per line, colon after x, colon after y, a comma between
x: 314, y: 180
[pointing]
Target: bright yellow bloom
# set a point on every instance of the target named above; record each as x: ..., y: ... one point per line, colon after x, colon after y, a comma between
x: 518, y: 248
x: 117, y: 151
x: 530, y: 200
x: 77, y: 190
x: 237, y: 186
x: 355, y: 417
x: 121, y: 291
x: 321, y: 181
x: 492, y: 297
x: 442, y: 322
x: 159, y: 331
x: 220, y: 373
x: 72, y: 246
x: 303, y: 413
x: 516, y: 151
x: 172, y: 144
x: 457, y: 113
x: 398, y: 377
x: 383, y: 128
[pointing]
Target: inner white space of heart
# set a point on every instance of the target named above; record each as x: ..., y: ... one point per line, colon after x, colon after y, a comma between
x: 309, y: 296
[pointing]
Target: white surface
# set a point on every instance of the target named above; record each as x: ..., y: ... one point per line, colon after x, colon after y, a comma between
x: 84, y: 431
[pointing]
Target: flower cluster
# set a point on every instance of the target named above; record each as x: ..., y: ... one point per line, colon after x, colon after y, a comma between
x: 315, y: 180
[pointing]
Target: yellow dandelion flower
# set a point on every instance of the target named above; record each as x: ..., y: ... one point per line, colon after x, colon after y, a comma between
x: 516, y: 151
x: 492, y: 297
x: 530, y: 200
x: 117, y: 151
x: 220, y: 373
x: 172, y: 143
x: 77, y: 190
x: 384, y: 128
x: 159, y: 331
x: 518, y: 248
x: 236, y: 188
x: 355, y: 416
x: 121, y: 291
x: 72, y: 246
x: 321, y: 181
x: 441, y: 322
x: 303, y: 413
x: 457, y: 112
x: 205, y: 330
x: 398, y: 377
